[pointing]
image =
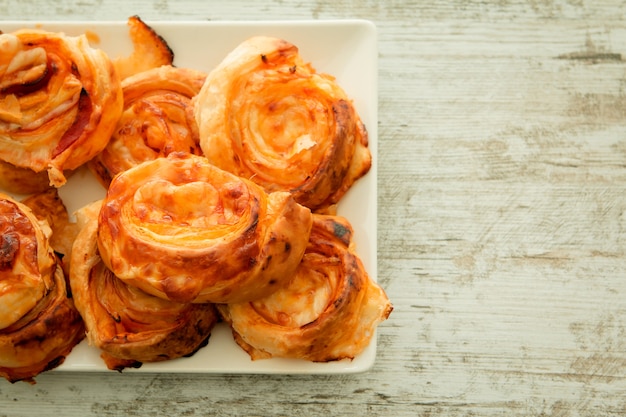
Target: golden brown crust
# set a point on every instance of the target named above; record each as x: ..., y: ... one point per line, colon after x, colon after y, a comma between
x: 49, y: 207
x: 265, y: 114
x: 150, y: 50
x: 59, y: 101
x: 39, y: 324
x: 328, y: 312
x: 18, y: 180
x: 157, y: 120
x: 182, y: 229
x: 129, y: 326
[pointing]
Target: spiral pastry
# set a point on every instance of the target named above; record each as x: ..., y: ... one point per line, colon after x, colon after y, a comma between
x: 182, y: 229
x: 157, y: 120
x: 266, y: 115
x: 59, y: 101
x: 129, y: 326
x: 328, y: 312
x: 39, y: 324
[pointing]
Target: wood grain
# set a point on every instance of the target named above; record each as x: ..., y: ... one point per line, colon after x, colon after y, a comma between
x: 502, y: 220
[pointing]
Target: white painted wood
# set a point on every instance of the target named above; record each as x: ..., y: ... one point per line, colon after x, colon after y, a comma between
x: 502, y: 220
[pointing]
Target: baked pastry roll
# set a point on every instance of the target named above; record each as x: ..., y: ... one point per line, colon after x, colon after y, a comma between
x: 59, y: 101
x: 39, y: 324
x: 182, y: 229
x: 157, y: 120
x: 267, y: 115
x: 129, y: 326
x: 329, y: 311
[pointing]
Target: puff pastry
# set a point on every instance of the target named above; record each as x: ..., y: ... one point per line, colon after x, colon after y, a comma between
x: 129, y: 326
x: 329, y: 311
x: 150, y: 50
x: 23, y: 181
x: 48, y: 206
x: 157, y: 120
x: 182, y: 229
x: 59, y: 101
x: 39, y: 324
x: 267, y: 115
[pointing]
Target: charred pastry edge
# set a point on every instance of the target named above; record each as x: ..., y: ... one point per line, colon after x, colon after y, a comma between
x: 155, y: 34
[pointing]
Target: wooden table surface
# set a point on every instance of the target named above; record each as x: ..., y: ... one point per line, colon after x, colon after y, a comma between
x: 501, y: 225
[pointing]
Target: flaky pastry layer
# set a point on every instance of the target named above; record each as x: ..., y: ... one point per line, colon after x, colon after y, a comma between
x: 39, y: 324
x: 128, y: 325
x: 59, y: 101
x: 157, y: 120
x: 329, y: 311
x: 182, y: 229
x: 267, y: 115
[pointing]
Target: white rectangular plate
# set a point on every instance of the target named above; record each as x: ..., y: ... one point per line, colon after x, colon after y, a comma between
x: 346, y: 49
